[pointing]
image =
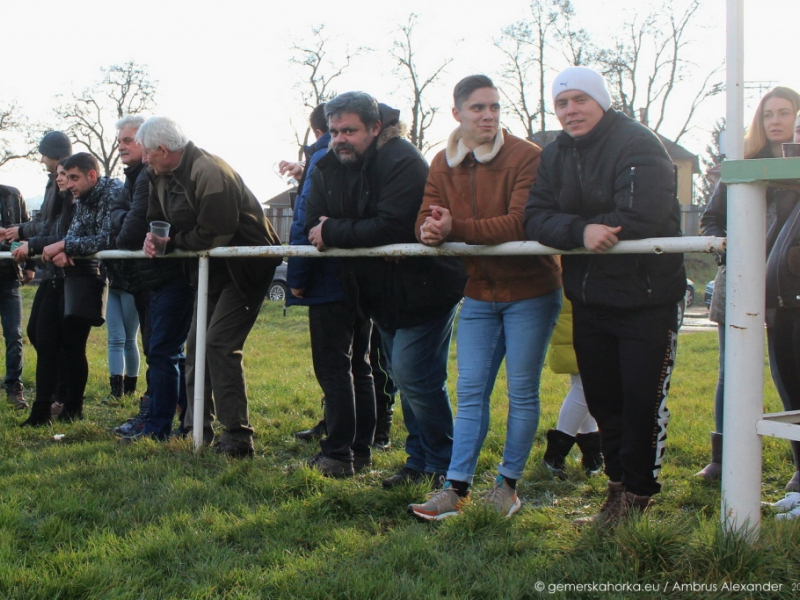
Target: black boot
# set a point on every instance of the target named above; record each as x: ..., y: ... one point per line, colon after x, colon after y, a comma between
x: 72, y: 411
x: 129, y: 385
x: 116, y: 389
x: 555, y: 455
x: 713, y: 470
x: 383, y: 426
x: 591, y: 449
x: 40, y: 414
x: 316, y: 432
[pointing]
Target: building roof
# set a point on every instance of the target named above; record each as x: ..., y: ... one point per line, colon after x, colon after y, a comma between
x: 675, y: 151
x: 281, y: 200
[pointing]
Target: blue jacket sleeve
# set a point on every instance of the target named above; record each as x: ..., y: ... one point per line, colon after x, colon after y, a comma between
x: 299, y: 268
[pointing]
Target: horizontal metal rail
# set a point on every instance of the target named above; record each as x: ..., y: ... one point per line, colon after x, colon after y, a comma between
x: 646, y: 246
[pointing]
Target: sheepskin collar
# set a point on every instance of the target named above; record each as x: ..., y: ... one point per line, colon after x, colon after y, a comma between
x: 457, y: 151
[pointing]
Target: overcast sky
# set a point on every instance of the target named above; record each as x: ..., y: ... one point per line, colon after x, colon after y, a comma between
x: 224, y: 74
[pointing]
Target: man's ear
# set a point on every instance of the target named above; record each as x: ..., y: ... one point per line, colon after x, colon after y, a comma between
x: 92, y: 176
x: 376, y: 128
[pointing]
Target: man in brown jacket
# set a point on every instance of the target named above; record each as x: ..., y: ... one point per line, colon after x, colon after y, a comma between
x: 476, y: 192
x: 208, y: 206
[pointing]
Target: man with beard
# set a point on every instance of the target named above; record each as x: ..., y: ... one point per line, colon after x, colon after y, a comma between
x: 367, y: 193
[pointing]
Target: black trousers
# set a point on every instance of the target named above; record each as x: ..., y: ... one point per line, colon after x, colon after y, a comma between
x: 784, y: 362
x: 62, y: 365
x: 54, y: 333
x: 142, y: 301
x: 340, y: 352
x: 625, y: 358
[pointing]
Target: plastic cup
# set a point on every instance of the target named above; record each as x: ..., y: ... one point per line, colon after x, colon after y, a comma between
x: 791, y: 150
x: 159, y: 232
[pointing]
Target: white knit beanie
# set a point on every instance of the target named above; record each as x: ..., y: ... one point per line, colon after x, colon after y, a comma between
x: 585, y: 80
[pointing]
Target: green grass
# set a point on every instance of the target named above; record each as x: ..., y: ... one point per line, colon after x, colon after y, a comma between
x: 88, y: 518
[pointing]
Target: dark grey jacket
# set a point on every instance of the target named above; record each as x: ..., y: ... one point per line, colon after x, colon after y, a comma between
x: 14, y: 211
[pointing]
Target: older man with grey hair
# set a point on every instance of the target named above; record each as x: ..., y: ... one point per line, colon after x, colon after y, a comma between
x: 208, y: 205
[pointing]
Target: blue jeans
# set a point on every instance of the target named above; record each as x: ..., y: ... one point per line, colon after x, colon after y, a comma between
x: 122, y: 324
x: 488, y: 332
x: 417, y: 361
x: 171, y: 308
x: 11, y: 319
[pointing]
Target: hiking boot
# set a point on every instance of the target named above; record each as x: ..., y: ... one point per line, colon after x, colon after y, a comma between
x: 309, y: 435
x: 40, y: 415
x: 135, y: 423
x: 116, y: 390
x: 590, y: 446
x: 439, y: 505
x: 503, y: 498
x: 129, y: 385
x: 361, y: 462
x: 16, y: 398
x: 555, y: 455
x: 612, y: 510
x: 330, y: 467
x: 56, y: 408
x: 794, y: 483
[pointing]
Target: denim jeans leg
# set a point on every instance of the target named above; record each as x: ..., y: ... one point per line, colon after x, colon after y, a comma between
x: 418, y: 365
x: 528, y: 325
x: 481, y: 346
x: 11, y: 319
x: 171, y: 309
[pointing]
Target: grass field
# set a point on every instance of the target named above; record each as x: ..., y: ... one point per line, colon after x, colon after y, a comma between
x: 88, y: 518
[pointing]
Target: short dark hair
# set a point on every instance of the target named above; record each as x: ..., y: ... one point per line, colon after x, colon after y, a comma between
x: 83, y: 161
x: 466, y: 86
x: 317, y: 118
x: 360, y: 104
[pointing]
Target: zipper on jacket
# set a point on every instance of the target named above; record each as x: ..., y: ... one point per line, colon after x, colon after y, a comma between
x: 577, y: 158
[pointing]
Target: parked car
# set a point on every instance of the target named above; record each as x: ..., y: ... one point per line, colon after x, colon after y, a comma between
x: 278, y: 290
x: 689, y: 293
x: 708, y: 294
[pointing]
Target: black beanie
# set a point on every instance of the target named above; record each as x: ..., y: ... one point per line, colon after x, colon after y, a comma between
x: 55, y: 145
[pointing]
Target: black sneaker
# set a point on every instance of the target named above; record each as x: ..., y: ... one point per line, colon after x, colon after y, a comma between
x: 404, y: 475
x: 233, y: 448
x: 330, y: 467
x: 361, y: 462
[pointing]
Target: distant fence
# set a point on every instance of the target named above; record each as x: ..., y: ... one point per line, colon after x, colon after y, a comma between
x: 690, y: 219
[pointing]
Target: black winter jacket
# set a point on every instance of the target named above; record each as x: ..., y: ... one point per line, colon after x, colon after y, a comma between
x: 14, y: 211
x: 387, y: 194
x: 129, y: 221
x: 619, y: 174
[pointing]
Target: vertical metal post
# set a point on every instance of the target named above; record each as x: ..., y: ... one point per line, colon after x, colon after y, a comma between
x: 200, y: 352
x: 744, y: 316
x: 744, y: 358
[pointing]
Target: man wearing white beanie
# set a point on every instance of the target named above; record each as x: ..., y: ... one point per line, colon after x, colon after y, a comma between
x: 604, y: 179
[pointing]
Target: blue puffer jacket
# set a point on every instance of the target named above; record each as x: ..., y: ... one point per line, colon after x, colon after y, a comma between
x: 319, y: 278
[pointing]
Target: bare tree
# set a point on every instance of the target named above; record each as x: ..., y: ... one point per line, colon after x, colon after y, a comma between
x: 526, y: 46
x: 422, y: 113
x: 711, y: 161
x: 320, y: 71
x: 646, y: 65
x: 12, y: 135
x: 91, y: 115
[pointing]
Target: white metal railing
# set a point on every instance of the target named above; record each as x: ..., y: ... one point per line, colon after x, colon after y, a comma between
x: 646, y: 246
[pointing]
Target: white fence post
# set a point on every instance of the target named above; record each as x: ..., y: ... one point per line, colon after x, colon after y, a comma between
x: 200, y: 352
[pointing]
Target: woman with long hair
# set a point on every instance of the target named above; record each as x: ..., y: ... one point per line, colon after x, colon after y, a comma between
x: 772, y: 126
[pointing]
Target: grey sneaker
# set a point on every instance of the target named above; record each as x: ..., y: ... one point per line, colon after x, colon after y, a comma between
x: 503, y: 498
x: 330, y: 467
x: 440, y: 505
x: 16, y: 397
